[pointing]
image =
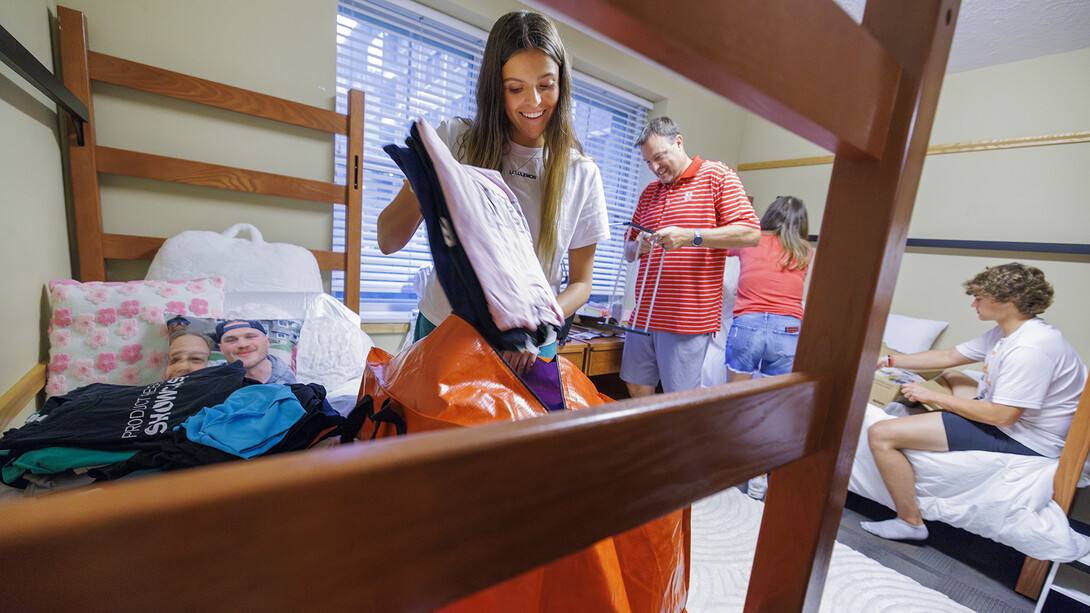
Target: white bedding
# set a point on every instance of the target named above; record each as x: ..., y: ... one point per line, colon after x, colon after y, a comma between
x: 1004, y: 497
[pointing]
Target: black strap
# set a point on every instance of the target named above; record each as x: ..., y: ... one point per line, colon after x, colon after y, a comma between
x: 360, y: 413
x: 387, y: 415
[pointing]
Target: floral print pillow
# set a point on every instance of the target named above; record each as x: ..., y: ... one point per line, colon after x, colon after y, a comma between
x: 114, y: 332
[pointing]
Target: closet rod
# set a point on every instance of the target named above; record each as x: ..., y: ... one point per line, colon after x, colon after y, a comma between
x: 1064, y: 248
x: 23, y: 62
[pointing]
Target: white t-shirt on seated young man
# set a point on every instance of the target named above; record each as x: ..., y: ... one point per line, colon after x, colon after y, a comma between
x: 582, y: 221
x: 1034, y: 368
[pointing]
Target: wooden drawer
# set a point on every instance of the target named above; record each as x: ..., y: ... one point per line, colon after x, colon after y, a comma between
x: 604, y: 355
x: 576, y: 351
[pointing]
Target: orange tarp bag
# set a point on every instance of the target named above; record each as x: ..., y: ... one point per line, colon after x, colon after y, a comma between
x: 453, y: 378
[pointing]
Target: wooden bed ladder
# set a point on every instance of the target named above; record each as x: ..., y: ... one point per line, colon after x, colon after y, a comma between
x: 81, y: 66
x: 409, y: 525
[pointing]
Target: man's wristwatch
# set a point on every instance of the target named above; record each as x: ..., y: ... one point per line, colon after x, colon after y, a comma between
x: 697, y: 238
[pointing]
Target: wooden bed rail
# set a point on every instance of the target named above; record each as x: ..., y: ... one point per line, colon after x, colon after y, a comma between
x: 398, y: 525
x: 1068, y: 471
x: 87, y: 160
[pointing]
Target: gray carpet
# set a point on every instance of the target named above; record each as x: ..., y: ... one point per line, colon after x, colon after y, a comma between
x: 975, y: 572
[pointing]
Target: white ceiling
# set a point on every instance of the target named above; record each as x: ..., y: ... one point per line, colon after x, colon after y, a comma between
x: 991, y: 32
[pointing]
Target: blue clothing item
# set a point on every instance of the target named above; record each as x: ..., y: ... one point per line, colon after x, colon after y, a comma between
x: 249, y: 423
x: 762, y: 342
x: 281, y: 373
x: 963, y: 434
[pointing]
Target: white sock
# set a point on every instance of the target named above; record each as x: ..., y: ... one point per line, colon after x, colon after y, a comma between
x: 895, y: 529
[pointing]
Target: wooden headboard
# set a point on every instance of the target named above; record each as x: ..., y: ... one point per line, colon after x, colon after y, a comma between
x: 408, y: 525
x: 87, y: 160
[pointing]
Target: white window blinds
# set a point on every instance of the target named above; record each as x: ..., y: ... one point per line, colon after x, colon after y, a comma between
x: 412, y: 62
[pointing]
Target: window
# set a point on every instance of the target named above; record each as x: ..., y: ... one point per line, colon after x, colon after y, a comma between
x: 412, y: 62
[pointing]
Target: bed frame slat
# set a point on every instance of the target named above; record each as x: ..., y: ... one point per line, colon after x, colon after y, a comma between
x: 176, y: 170
x: 15, y: 399
x: 134, y: 75
x: 403, y: 525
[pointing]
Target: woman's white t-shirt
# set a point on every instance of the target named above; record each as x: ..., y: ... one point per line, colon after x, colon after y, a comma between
x: 582, y: 219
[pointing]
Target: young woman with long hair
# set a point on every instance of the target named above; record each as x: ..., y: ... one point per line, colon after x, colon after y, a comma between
x: 523, y: 129
x: 764, y: 334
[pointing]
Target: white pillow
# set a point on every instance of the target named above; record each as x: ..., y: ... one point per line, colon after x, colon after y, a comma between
x: 911, y: 334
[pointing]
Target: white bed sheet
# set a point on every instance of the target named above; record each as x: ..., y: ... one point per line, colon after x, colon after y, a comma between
x: 1004, y: 497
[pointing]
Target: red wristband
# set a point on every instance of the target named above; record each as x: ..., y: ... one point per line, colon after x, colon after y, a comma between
x: 889, y: 360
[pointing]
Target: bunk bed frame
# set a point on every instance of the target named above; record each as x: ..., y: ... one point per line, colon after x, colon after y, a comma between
x: 412, y: 524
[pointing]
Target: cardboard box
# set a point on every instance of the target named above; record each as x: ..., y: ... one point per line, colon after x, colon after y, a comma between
x: 887, y: 386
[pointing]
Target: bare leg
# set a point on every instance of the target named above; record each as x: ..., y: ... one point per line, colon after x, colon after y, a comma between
x: 738, y: 376
x: 635, y: 390
x: 887, y: 438
x: 959, y: 383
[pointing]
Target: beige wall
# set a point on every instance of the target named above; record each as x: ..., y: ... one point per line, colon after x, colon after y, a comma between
x: 34, y: 247
x: 1033, y: 194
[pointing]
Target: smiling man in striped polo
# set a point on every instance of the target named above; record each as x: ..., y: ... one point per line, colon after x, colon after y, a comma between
x: 695, y: 211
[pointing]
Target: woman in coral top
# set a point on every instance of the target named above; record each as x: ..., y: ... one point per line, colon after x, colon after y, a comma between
x: 768, y: 311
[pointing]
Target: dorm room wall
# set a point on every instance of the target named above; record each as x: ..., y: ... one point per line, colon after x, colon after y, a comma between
x: 1034, y: 194
x: 35, y: 236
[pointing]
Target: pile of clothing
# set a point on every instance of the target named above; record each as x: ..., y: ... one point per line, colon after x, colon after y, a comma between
x: 105, y: 431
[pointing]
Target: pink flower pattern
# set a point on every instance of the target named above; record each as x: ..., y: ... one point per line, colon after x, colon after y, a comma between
x: 60, y: 363
x: 98, y: 295
x: 55, y: 386
x: 131, y: 354
x: 115, y: 332
x: 129, y: 308
x: 60, y: 338
x: 130, y: 375
x: 83, y: 369
x: 152, y: 314
x: 97, y: 339
x: 107, y: 361
x: 60, y: 292
x: 127, y: 329
x: 62, y: 318
x: 85, y: 323
x: 106, y: 316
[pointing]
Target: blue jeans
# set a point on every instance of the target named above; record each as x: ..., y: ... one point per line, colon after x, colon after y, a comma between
x: 762, y: 342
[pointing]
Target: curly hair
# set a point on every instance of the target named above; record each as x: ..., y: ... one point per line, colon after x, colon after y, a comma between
x: 1023, y: 285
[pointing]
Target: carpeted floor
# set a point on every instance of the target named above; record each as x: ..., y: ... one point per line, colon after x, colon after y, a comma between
x: 725, y: 530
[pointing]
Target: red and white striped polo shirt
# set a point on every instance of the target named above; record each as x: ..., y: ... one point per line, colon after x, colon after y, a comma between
x: 689, y: 295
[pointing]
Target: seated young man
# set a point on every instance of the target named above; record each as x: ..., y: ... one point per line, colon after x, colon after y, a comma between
x: 188, y: 351
x: 1024, y: 405
x: 246, y: 341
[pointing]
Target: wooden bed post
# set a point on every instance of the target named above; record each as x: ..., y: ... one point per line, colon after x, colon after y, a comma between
x: 91, y: 263
x: 353, y: 230
x: 861, y: 243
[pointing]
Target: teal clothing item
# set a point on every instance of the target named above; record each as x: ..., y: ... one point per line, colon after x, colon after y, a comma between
x: 423, y: 327
x: 250, y: 422
x: 54, y: 460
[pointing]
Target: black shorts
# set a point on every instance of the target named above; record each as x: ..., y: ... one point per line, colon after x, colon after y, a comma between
x: 964, y: 434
